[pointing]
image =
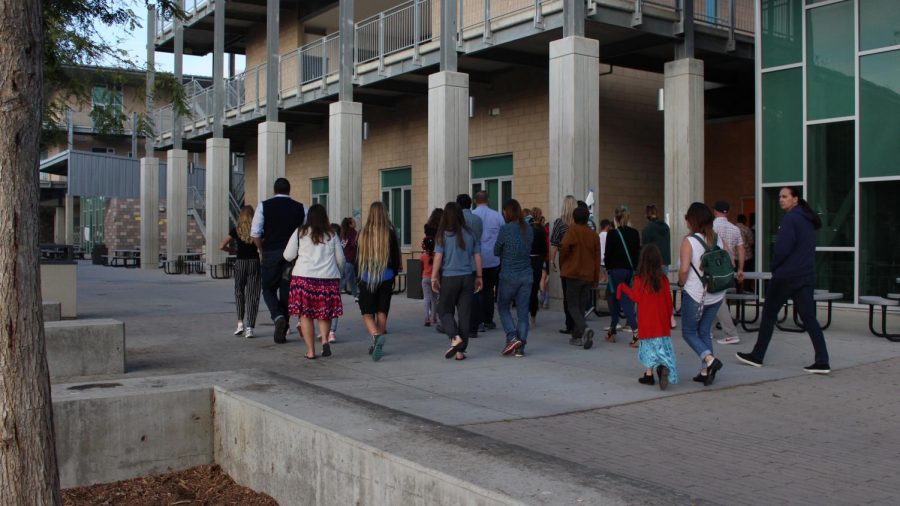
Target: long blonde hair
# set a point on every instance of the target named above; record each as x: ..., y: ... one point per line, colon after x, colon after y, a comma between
x: 245, y: 220
x: 374, y: 245
x: 569, y: 205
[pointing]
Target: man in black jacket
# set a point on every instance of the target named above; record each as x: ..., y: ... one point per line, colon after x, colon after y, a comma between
x: 273, y: 223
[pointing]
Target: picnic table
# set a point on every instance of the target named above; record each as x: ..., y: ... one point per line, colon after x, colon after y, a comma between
x: 124, y: 258
x: 191, y: 263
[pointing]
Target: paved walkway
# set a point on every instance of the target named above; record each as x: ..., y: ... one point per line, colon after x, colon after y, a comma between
x: 770, y: 435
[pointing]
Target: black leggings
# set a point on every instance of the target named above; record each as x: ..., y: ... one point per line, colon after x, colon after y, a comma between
x: 456, y: 297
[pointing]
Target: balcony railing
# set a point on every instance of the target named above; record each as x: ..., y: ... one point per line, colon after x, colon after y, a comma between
x: 410, y: 29
x: 191, y: 9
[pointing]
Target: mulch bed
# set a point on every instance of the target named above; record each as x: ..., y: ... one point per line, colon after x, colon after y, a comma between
x: 203, y: 485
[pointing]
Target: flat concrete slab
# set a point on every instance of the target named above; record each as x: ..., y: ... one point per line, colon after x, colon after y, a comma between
x: 184, y: 324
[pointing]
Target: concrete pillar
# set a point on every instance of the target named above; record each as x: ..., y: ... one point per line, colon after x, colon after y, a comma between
x: 270, y: 156
x: 344, y: 160
x: 448, y: 137
x: 218, y: 153
x: 70, y: 219
x: 574, y: 120
x: 59, y: 226
x: 683, y: 132
x: 176, y: 203
x: 149, y: 213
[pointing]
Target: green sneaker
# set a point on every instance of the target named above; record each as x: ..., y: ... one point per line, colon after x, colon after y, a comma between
x: 378, y: 352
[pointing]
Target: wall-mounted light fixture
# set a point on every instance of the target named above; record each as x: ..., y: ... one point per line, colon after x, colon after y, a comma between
x: 661, y: 100
x: 471, y: 106
x: 288, y: 145
x: 365, y: 130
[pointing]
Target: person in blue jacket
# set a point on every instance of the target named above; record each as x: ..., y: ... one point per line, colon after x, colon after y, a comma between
x: 793, y: 277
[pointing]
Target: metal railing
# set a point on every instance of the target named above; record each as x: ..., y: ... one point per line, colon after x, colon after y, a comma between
x: 485, y: 13
x: 397, y: 29
x: 729, y: 15
x: 191, y: 8
x: 312, y: 62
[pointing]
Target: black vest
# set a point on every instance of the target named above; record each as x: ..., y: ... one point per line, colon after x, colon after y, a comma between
x: 281, y: 216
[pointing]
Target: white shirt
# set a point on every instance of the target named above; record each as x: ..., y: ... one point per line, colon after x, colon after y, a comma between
x: 323, y: 261
x: 693, y: 286
x: 603, y: 248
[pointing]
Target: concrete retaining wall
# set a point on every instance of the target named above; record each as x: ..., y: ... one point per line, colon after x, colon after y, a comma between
x: 300, y: 463
x: 59, y: 282
x: 52, y: 310
x: 111, y: 438
x: 85, y: 347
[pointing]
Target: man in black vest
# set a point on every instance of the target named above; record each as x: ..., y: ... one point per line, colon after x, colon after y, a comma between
x: 273, y: 223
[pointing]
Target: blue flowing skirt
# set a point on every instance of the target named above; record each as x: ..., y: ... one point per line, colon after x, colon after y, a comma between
x: 656, y: 351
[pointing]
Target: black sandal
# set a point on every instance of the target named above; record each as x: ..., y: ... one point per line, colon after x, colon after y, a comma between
x: 453, y: 349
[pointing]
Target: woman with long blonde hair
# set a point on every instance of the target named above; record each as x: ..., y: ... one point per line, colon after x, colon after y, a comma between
x: 378, y: 262
x: 560, y: 226
x: 246, y: 272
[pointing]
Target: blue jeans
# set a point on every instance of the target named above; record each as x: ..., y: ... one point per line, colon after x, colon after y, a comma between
x: 800, y: 289
x: 696, y: 329
x: 349, y: 279
x: 516, y: 289
x: 617, y: 277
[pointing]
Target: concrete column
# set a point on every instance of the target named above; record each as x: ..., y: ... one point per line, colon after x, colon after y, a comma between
x: 176, y: 203
x: 59, y: 226
x: 218, y: 153
x: 149, y: 213
x: 270, y: 156
x: 151, y: 78
x: 448, y: 137
x: 344, y: 160
x: 574, y: 120
x: 70, y: 219
x: 683, y: 132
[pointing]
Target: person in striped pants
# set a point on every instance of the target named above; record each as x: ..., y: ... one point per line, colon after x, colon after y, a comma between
x: 246, y: 272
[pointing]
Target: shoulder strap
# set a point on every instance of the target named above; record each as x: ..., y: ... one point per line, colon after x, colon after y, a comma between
x: 625, y: 246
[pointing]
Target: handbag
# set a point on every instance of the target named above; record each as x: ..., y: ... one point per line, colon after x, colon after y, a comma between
x: 288, y: 267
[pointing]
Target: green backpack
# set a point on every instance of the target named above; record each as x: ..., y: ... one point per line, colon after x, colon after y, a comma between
x: 718, y: 272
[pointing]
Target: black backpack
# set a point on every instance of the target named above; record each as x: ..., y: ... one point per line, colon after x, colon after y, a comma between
x: 718, y: 271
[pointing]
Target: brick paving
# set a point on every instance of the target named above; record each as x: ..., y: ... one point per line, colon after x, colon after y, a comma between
x: 804, y: 440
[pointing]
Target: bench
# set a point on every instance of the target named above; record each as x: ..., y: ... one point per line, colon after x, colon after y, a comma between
x: 400, y: 282
x: 220, y: 271
x: 122, y: 260
x: 173, y: 266
x: 872, y: 301
x: 741, y: 301
x: 818, y: 296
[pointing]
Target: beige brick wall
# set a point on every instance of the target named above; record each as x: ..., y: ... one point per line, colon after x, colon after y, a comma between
x: 631, y: 143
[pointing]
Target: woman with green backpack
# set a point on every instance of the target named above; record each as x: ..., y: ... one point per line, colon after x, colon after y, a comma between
x: 702, y: 296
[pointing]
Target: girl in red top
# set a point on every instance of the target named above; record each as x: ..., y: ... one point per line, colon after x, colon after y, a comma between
x: 653, y: 296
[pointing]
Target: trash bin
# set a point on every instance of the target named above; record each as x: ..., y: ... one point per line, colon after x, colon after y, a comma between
x: 414, y: 279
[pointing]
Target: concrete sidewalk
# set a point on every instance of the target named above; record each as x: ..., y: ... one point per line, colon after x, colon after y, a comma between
x: 747, y: 439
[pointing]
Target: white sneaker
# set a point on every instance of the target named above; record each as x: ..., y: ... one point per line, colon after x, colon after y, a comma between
x: 729, y: 340
x: 674, y: 323
x: 240, y: 329
x: 626, y: 328
x: 618, y: 327
x: 248, y: 333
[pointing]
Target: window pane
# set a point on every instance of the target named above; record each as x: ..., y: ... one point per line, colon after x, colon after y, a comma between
x: 781, y: 32
x: 834, y: 272
x: 407, y: 217
x: 829, y: 60
x: 396, y: 210
x: 506, y: 191
x: 782, y: 128
x: 492, y: 167
x: 879, y: 24
x: 493, y: 189
x: 879, y: 114
x: 831, y: 186
x: 879, y: 237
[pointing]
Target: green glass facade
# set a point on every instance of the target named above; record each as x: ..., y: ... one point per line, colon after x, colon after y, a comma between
x: 829, y: 92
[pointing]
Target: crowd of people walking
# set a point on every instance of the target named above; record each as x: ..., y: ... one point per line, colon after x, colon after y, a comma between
x: 476, y: 258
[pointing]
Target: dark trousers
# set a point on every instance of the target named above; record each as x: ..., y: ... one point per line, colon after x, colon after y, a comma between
x: 537, y: 268
x: 456, y: 297
x: 487, y: 296
x: 800, y: 289
x: 565, y: 291
x: 274, y: 288
x: 578, y: 293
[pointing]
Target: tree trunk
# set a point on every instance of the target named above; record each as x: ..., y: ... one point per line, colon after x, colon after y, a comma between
x: 28, y: 473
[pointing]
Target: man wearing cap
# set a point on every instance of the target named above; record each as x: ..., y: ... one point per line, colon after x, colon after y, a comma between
x: 734, y: 244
